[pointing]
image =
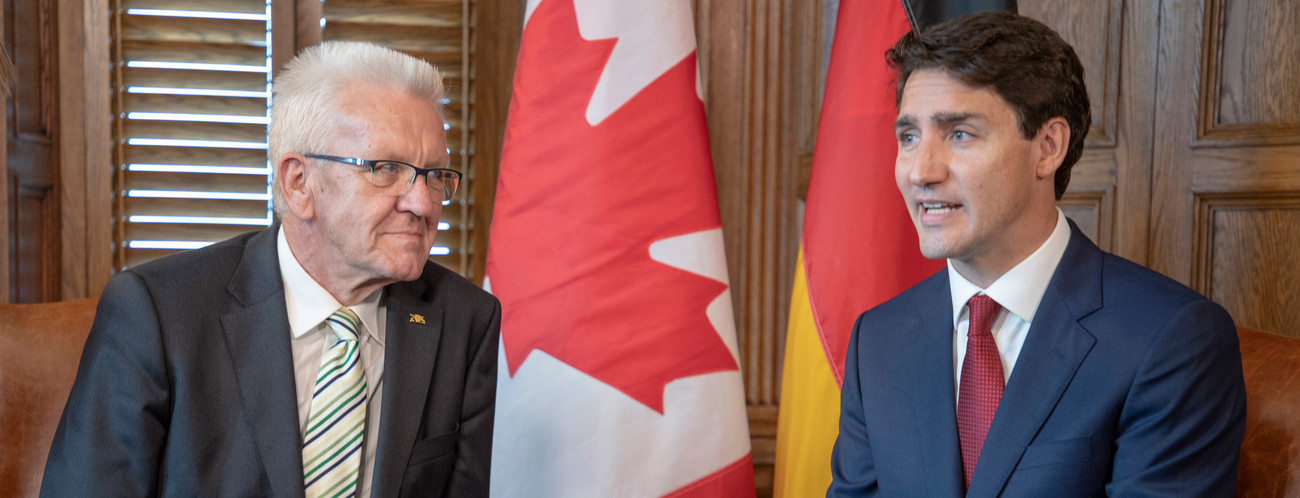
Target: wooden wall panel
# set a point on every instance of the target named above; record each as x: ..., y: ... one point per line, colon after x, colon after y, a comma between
x: 1090, y: 199
x: 1246, y: 260
x: 1250, y: 89
x: 1093, y: 28
x: 67, y: 186
x: 495, y: 45
x: 33, y: 219
x: 759, y: 64
x: 1227, y: 159
x: 32, y: 149
x: 1093, y: 212
x: 86, y: 184
x: 5, y: 27
x: 1116, y: 42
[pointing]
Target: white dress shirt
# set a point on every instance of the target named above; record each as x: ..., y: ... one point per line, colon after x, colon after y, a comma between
x: 309, y: 305
x: 1019, y: 291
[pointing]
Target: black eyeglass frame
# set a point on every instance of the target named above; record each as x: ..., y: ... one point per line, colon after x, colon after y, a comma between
x: 371, y: 163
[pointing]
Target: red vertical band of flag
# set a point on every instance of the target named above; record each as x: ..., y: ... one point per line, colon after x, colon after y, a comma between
x: 859, y: 245
x: 619, y: 373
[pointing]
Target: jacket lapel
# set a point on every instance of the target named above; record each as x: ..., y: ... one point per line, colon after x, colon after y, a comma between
x: 257, y: 337
x: 414, y: 328
x: 932, y: 393
x: 1055, y: 347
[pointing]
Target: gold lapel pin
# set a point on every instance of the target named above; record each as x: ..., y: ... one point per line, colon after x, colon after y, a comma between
x: 417, y: 319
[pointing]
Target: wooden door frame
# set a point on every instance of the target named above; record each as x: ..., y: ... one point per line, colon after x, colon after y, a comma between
x: 85, y: 145
x: 85, y: 174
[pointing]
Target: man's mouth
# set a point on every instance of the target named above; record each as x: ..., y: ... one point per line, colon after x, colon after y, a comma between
x: 938, y: 207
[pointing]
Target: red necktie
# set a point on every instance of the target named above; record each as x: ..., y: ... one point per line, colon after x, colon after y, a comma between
x: 981, y: 383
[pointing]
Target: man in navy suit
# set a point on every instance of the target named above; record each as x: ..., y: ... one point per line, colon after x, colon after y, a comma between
x: 200, y: 373
x: 1071, y: 372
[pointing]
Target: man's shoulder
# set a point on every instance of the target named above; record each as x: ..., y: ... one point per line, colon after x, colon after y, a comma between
x: 445, y: 284
x: 912, y: 307
x: 933, y: 287
x: 199, y: 266
x: 1124, y: 279
x: 1138, y: 304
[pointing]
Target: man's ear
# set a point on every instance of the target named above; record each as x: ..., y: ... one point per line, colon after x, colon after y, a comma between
x: 1052, y: 143
x: 295, y: 189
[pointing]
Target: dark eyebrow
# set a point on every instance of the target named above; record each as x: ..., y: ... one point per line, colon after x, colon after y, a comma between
x: 946, y: 120
x: 904, y: 122
x: 941, y: 120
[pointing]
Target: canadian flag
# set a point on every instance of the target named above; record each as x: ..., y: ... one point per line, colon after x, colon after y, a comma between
x: 619, y: 371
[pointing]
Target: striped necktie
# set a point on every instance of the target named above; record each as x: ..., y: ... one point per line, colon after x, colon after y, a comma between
x: 331, y: 450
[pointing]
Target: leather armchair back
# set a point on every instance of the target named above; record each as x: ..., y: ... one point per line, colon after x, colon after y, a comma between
x: 40, y: 347
x: 1270, y: 453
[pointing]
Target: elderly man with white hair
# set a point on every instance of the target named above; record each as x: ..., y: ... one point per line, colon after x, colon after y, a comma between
x: 323, y: 356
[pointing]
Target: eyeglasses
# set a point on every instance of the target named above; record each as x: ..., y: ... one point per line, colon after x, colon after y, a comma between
x: 397, y: 177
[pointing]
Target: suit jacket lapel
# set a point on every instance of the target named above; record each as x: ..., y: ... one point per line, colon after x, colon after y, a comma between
x: 1054, y: 349
x: 410, y: 350
x: 932, y: 393
x: 257, y: 338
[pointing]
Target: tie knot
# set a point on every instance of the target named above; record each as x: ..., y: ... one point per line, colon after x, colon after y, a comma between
x: 982, y: 311
x: 345, y: 324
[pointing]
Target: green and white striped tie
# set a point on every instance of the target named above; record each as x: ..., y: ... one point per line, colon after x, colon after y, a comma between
x: 332, y: 446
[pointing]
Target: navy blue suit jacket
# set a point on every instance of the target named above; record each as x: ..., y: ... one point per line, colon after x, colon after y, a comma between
x: 186, y: 384
x: 1128, y: 384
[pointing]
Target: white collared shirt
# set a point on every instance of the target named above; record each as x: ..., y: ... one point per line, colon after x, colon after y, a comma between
x: 309, y: 305
x: 1019, y: 291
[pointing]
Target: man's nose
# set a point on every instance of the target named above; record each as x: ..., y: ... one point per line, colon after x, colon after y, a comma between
x: 929, y: 163
x: 419, y: 200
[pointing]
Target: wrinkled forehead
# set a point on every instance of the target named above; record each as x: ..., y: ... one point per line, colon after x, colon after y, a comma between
x: 388, y: 119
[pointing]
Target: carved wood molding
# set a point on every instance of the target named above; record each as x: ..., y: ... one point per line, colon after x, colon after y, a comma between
x: 1102, y: 134
x: 759, y: 64
x: 760, y: 101
x: 1100, y: 204
x: 4, y: 174
x: 495, y: 43
x: 1206, y: 206
x: 1211, y: 131
x: 86, y: 175
x: 1095, y: 30
x: 39, y: 125
x: 762, y: 433
x: 42, y: 200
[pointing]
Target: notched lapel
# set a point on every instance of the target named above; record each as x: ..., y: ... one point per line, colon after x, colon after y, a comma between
x: 1054, y: 348
x: 410, y: 352
x: 933, y: 394
x: 257, y: 338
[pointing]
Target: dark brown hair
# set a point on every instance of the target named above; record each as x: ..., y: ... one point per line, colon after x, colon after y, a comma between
x: 1022, y: 60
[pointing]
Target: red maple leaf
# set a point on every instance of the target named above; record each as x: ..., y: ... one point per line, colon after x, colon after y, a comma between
x: 578, y: 206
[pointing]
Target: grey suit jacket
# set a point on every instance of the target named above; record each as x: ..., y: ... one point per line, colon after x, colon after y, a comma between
x: 1128, y: 384
x: 186, y: 384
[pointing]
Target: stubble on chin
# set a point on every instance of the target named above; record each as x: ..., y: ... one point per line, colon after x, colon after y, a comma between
x: 934, y: 245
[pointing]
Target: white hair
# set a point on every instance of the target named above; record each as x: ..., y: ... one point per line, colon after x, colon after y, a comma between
x: 306, y: 94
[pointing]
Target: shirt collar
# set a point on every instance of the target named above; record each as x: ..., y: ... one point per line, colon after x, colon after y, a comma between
x: 1021, y: 288
x: 308, y: 304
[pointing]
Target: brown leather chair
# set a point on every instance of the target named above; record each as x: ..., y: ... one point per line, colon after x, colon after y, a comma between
x: 1270, y: 454
x: 40, y: 347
